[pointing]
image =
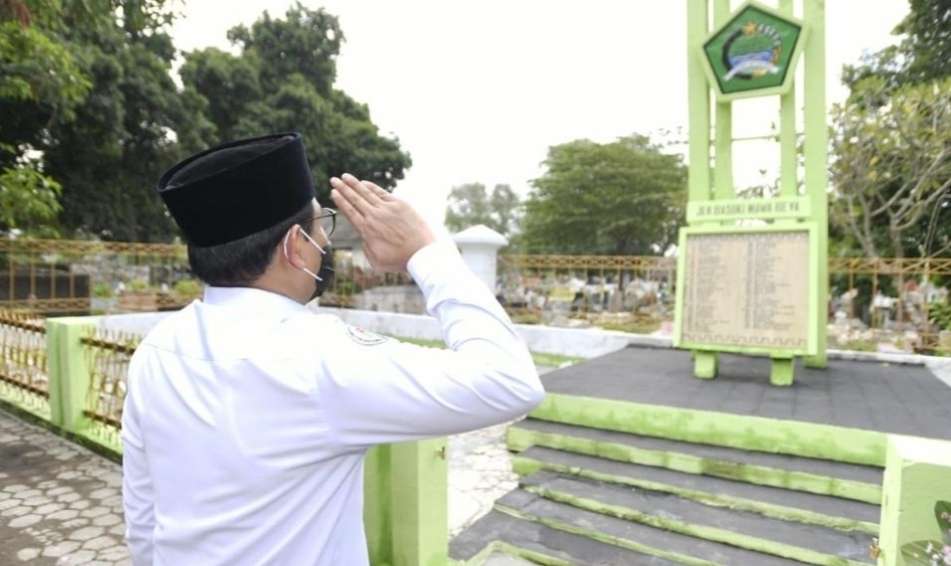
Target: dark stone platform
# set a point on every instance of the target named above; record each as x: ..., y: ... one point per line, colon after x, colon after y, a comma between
x: 896, y: 398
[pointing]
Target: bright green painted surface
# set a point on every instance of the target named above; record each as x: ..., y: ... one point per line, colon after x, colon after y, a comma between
x: 787, y: 130
x: 797, y: 438
x: 520, y: 439
x: 524, y: 466
x: 723, y: 152
x: 377, y: 513
x: 781, y: 372
x: 69, y: 377
x: 405, y: 504
x: 24, y: 400
x: 705, y: 364
x: 698, y: 96
x: 816, y: 162
x: 917, y: 477
x: 706, y: 532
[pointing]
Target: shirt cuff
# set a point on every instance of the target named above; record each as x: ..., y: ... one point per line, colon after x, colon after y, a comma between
x: 437, y: 256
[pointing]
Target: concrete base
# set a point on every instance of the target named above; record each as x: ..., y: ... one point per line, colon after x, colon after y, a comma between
x: 705, y: 364
x: 782, y: 371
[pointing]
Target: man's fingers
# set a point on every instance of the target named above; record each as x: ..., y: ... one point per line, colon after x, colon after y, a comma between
x: 361, y: 189
x: 348, y: 194
x: 348, y: 210
x: 380, y: 192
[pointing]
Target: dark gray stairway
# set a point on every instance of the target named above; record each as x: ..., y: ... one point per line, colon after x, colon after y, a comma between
x: 589, y: 496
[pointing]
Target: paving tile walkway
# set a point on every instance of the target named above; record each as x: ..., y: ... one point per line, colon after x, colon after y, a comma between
x: 60, y: 504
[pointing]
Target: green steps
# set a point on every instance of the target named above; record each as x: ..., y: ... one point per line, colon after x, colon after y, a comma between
x: 810, y: 544
x: 607, y: 497
x: 848, y: 481
x: 770, y: 502
x: 642, y: 539
x: 502, y: 532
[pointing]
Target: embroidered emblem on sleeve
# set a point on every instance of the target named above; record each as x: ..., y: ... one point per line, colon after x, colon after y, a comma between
x: 365, y: 337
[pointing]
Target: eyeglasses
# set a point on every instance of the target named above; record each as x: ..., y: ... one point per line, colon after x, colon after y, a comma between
x: 328, y: 221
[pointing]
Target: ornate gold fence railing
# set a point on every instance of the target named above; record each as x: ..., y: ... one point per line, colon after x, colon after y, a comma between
x: 55, y: 277
x: 24, y: 379
x: 82, y: 277
x: 107, y: 355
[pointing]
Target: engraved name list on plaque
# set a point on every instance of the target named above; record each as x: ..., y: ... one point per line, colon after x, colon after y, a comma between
x: 747, y: 290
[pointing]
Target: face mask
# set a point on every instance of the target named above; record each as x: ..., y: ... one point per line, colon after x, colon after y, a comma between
x: 324, y: 275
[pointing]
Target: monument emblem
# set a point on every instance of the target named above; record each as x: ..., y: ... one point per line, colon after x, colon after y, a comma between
x: 753, y: 51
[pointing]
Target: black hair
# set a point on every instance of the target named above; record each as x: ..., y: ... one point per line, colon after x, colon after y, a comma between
x: 240, y: 262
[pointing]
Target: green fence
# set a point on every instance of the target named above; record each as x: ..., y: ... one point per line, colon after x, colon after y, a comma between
x: 72, y: 374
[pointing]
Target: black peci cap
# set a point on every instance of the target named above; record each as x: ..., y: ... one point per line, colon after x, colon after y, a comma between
x: 238, y: 188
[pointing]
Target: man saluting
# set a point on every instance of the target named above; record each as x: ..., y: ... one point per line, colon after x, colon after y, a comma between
x: 248, y: 415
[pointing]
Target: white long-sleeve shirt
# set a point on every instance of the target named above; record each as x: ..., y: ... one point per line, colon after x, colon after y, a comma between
x: 248, y: 415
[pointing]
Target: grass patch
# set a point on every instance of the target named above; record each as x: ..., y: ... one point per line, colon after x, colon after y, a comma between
x: 637, y: 326
x: 549, y: 360
x: 859, y: 345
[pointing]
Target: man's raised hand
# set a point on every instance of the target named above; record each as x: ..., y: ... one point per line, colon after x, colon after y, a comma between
x: 391, y: 229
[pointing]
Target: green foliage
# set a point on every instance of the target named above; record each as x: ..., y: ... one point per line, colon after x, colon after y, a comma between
x: 928, y: 39
x: 879, y: 208
x: 892, y: 168
x: 133, y: 124
x: 931, y: 552
x: 470, y: 205
x: 100, y: 109
x: 922, y: 54
x: 859, y: 345
x: 139, y: 286
x: 624, y: 197
x: 283, y: 81
x: 28, y: 200
x: 940, y: 315
x: 37, y: 67
x: 101, y: 290
x: 186, y: 288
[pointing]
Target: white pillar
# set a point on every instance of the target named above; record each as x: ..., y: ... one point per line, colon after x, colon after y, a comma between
x: 479, y: 246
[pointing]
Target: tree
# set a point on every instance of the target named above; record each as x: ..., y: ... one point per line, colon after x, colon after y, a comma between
x: 28, y: 200
x: 283, y: 80
x: 923, y: 53
x: 40, y: 82
x: 624, y: 197
x: 469, y: 205
x: 89, y: 106
x: 888, y: 165
x: 133, y: 124
x: 892, y: 168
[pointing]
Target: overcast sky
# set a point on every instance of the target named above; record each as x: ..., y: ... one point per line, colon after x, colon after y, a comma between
x: 477, y: 91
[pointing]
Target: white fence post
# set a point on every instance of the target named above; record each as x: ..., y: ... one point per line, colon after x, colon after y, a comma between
x: 479, y: 246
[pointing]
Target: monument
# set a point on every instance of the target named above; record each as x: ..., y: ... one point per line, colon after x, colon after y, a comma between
x: 752, y: 273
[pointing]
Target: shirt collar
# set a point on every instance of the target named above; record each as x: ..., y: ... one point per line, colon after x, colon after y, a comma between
x: 252, y: 300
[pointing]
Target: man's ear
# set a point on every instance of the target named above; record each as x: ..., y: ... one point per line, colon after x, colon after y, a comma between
x: 291, y: 247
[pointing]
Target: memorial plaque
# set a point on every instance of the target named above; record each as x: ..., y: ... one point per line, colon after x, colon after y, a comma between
x: 747, y: 290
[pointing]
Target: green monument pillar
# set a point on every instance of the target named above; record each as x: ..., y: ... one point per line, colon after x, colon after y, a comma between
x: 753, y: 273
